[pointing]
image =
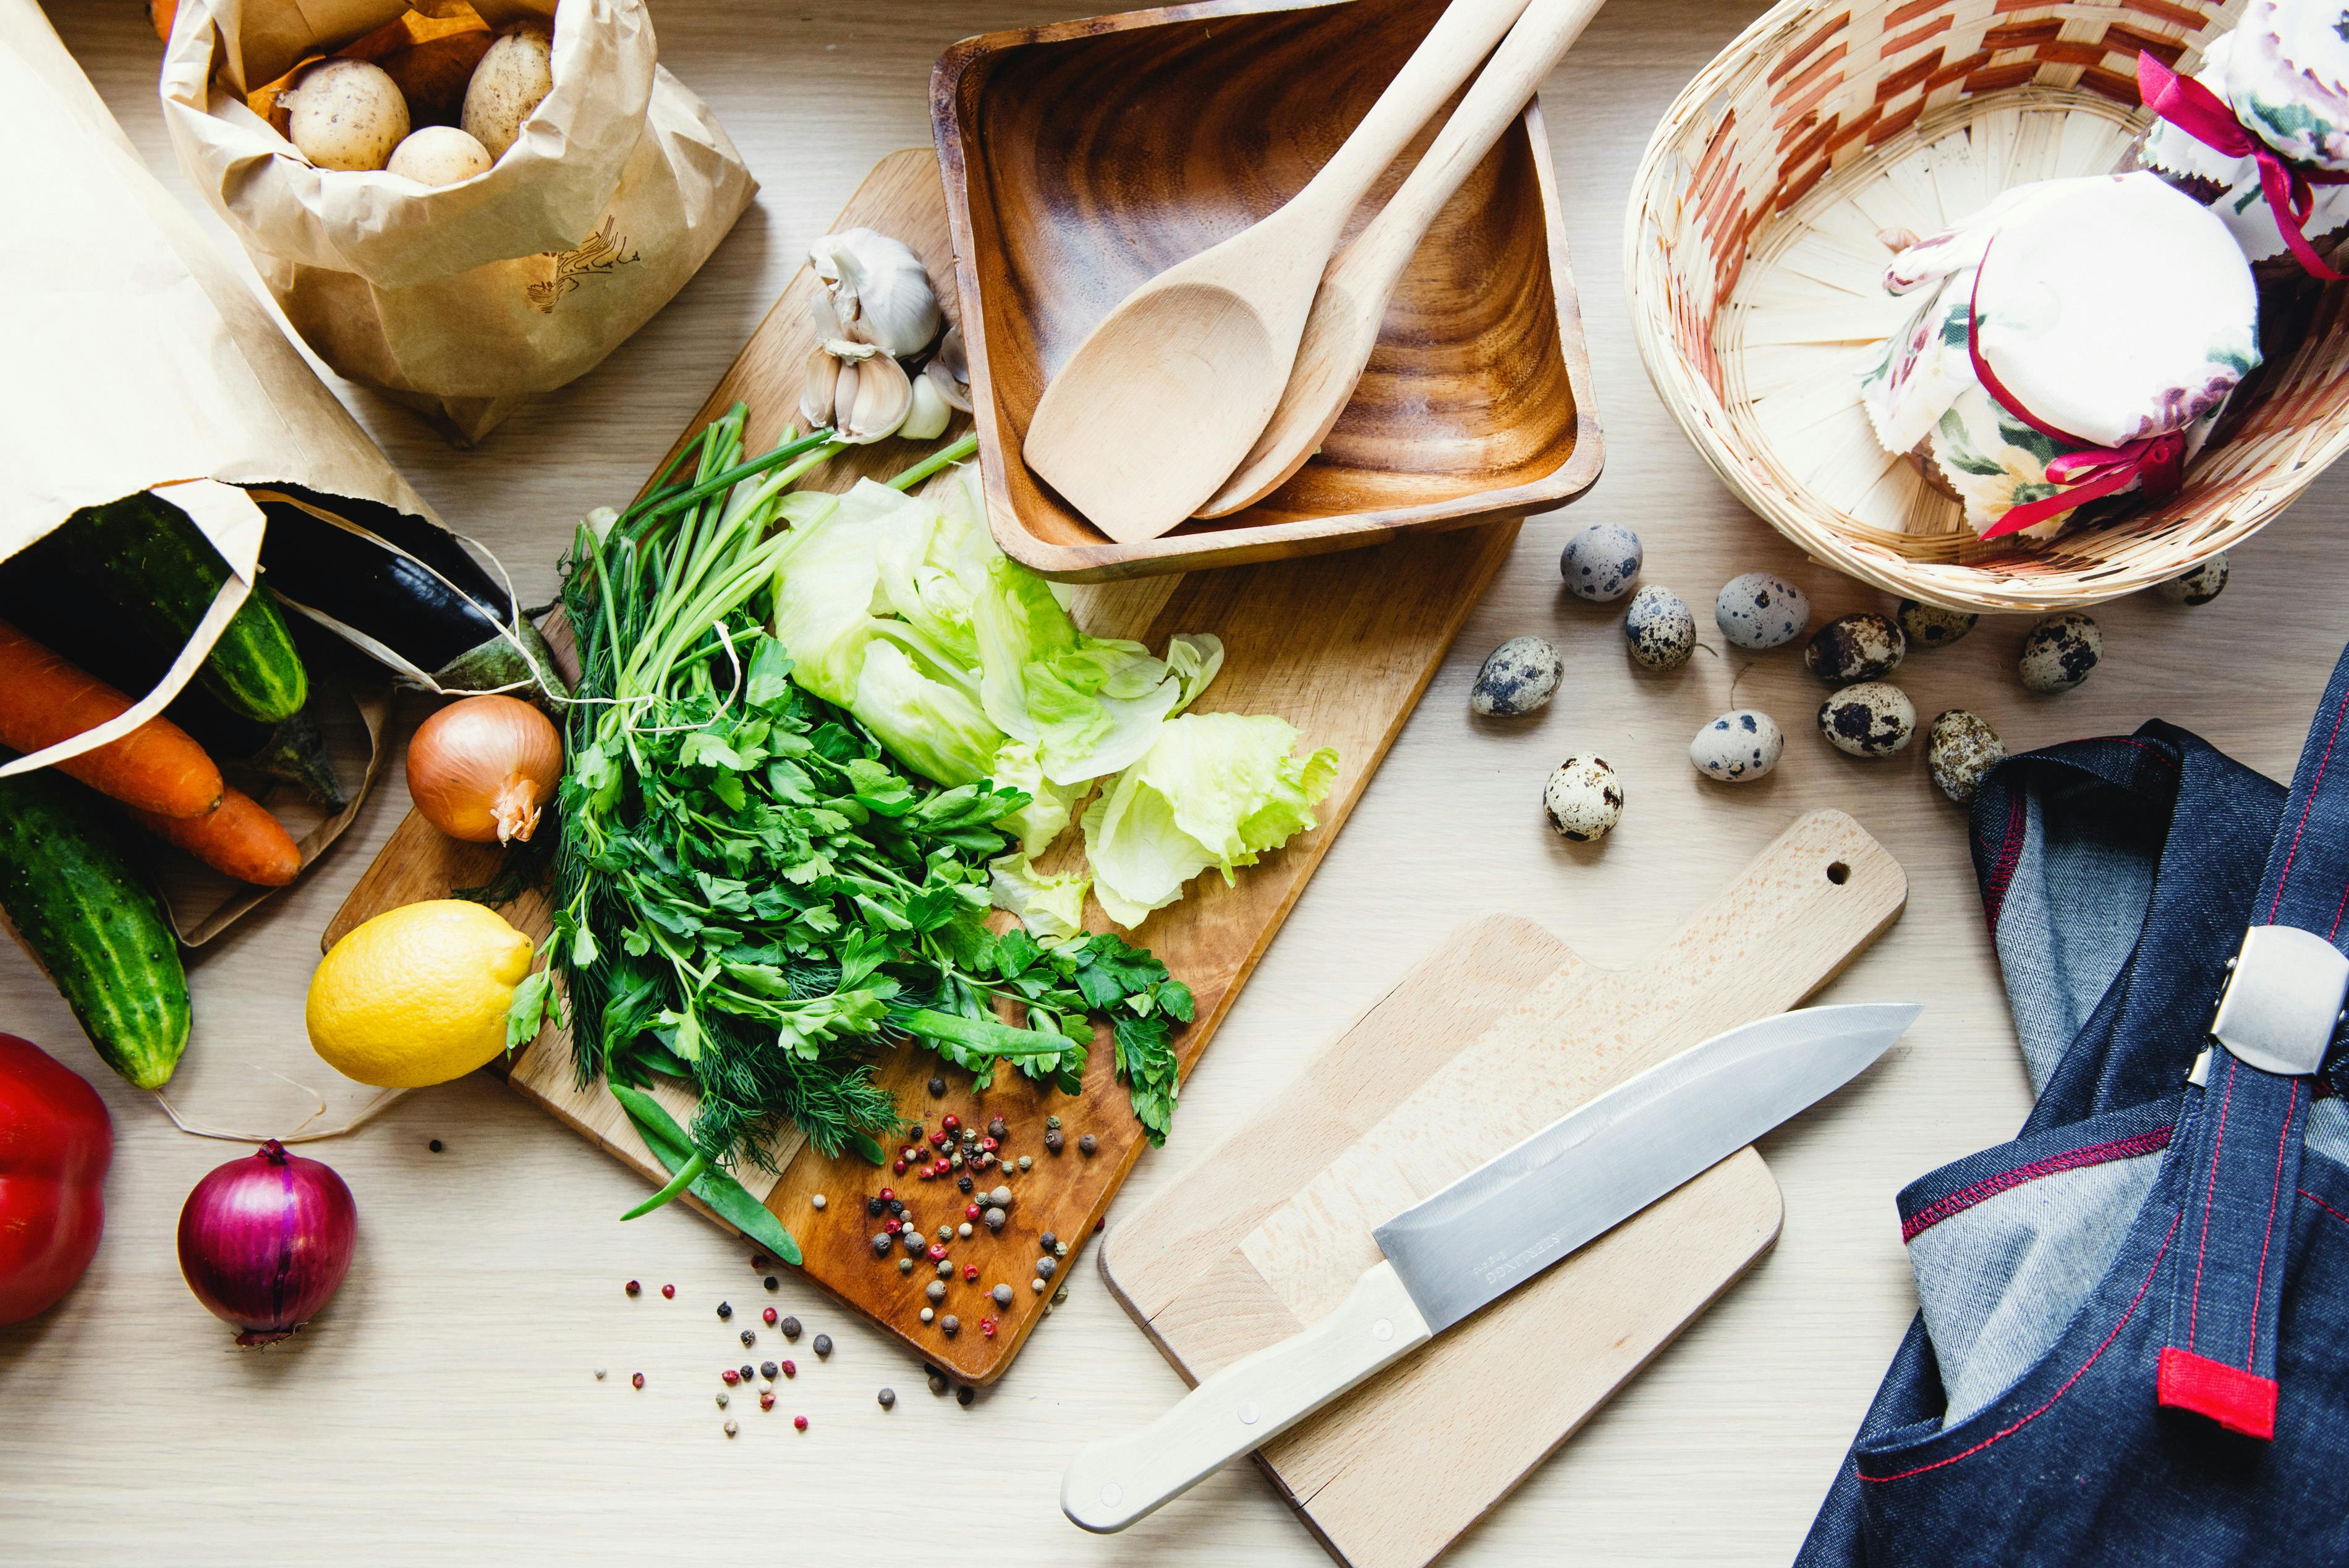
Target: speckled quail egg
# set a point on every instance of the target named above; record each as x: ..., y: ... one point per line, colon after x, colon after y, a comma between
x: 1600, y: 562
x: 1959, y: 749
x: 2199, y: 586
x: 2059, y: 652
x: 1873, y: 718
x: 1518, y: 676
x: 1761, y: 611
x: 1929, y: 626
x: 1661, y: 632
x: 1860, y: 646
x: 1584, y: 799
x: 1738, y: 747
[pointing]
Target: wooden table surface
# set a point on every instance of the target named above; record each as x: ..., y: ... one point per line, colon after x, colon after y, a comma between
x: 446, y: 1407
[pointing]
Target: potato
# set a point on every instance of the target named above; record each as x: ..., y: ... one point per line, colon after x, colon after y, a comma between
x: 516, y: 73
x: 346, y: 114
x: 440, y: 155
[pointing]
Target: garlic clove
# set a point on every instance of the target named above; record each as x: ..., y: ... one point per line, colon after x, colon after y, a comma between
x: 953, y: 394
x: 930, y: 413
x: 878, y: 290
x: 819, y: 392
x: 874, y: 398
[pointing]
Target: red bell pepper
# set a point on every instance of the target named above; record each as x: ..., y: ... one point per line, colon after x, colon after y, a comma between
x: 56, y: 1143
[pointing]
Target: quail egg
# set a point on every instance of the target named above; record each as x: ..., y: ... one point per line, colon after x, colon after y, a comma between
x: 1761, y: 611
x: 2059, y: 652
x: 1959, y: 749
x: 1519, y: 677
x: 1861, y: 646
x: 1873, y: 718
x: 2199, y: 586
x: 1738, y: 747
x: 1584, y: 799
x: 1661, y: 632
x: 1929, y: 626
x: 1600, y: 562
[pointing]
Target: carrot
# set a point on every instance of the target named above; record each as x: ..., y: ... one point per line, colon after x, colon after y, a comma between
x: 237, y: 836
x: 155, y: 768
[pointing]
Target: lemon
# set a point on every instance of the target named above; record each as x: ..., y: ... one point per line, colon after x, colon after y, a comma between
x: 417, y: 996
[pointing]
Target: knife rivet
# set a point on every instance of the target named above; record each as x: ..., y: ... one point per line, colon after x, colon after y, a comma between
x: 1383, y: 1330
x: 1249, y: 1412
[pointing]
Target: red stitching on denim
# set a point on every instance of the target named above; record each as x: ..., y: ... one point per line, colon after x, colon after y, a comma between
x: 2309, y: 805
x: 1990, y: 1187
x: 2153, y: 752
x: 2010, y: 855
x: 2217, y: 1139
x: 2324, y: 1205
x: 2259, y: 1281
x: 2009, y: 1430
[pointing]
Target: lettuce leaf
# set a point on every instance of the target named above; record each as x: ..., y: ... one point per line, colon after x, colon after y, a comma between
x: 1052, y: 908
x: 1214, y: 790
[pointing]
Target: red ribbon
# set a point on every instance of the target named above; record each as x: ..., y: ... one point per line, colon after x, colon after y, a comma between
x: 2159, y: 462
x: 2204, y: 115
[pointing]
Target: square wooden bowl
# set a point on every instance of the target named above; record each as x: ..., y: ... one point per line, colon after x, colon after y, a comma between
x: 1082, y: 158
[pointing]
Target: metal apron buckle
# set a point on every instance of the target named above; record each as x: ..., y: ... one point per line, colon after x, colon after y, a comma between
x: 2282, y: 1001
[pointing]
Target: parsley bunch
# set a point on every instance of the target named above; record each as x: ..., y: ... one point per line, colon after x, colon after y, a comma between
x: 750, y: 891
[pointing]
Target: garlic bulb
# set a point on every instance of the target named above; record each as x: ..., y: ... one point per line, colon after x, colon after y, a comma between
x: 949, y: 371
x: 861, y: 392
x: 878, y: 291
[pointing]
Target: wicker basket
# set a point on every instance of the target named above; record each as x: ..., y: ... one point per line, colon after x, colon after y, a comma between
x: 1755, y: 246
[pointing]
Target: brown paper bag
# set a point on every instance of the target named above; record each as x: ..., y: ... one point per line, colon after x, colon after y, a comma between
x: 461, y: 300
x: 143, y: 362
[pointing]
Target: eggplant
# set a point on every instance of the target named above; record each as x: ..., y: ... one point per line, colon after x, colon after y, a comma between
x: 360, y: 580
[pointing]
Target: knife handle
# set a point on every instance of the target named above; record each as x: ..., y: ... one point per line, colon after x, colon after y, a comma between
x: 1244, y: 1406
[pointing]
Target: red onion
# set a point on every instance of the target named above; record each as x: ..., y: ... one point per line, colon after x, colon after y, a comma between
x: 266, y: 1241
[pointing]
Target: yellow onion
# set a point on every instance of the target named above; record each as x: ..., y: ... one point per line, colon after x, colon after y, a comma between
x: 480, y: 769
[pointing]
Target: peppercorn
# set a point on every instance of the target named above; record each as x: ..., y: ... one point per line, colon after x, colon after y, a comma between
x: 986, y: 1327
x: 1036, y: 1285
x: 790, y: 1369
x: 1054, y: 1140
x: 1000, y: 1197
x: 927, y: 1313
x: 1002, y: 1294
x: 637, y: 1380
x: 744, y: 1372
x: 731, y: 1428
x: 725, y: 1309
x: 963, y: 1184
x: 1046, y: 1268
x: 798, y: 1423
x: 897, y: 1205
x: 766, y: 1401
x: 995, y: 1129
x: 434, y: 1146
x: 1026, y: 1161
x: 790, y: 1328
x: 881, y: 1243
x: 938, y: 1139
x: 730, y: 1376
x: 1048, y: 1241
x: 893, y: 1226
x: 888, y: 1399
x: 875, y: 1207
x: 757, y: 1260
x: 599, y: 1374
x: 822, y: 1346
x: 819, y: 1202
x: 936, y: 1252
x: 1086, y: 1145
x: 1060, y: 1249
x: 996, y: 1219
x: 768, y: 1370
x: 1052, y: 1121
x: 950, y: 1122
x: 935, y: 1290
x: 969, y: 1272
x: 946, y: 1269
x: 722, y: 1401
x: 749, y: 1337
x: 965, y: 1395
x: 963, y: 1230
x: 888, y: 1195
x: 771, y: 1282
x: 632, y: 1288
x: 937, y: 1380
x: 989, y: 1145
x: 950, y: 1326
x: 668, y: 1292
x: 768, y: 1317
x: 898, y: 1166
x: 938, y: 1087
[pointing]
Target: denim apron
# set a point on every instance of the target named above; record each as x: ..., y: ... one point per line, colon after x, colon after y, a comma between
x: 2131, y: 1347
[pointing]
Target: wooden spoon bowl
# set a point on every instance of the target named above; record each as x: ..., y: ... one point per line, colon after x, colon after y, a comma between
x: 1084, y: 158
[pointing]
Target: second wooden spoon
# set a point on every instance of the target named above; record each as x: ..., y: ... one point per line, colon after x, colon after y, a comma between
x: 1343, y: 326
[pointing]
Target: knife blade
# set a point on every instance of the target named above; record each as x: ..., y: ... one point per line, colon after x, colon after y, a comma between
x: 1494, y: 1228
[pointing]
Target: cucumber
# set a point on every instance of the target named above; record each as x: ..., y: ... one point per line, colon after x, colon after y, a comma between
x: 148, y: 563
x: 95, y: 926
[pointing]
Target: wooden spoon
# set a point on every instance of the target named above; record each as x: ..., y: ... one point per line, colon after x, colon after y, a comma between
x: 1162, y: 399
x: 1343, y: 326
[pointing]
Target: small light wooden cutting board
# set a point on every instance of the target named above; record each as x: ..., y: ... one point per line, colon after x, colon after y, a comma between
x: 1339, y: 646
x: 1498, y: 1033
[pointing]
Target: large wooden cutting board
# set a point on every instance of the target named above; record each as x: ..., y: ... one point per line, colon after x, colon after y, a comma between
x: 1339, y: 646
x: 1499, y: 1032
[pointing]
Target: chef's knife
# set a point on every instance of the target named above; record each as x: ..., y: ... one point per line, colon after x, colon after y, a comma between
x: 1487, y: 1233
